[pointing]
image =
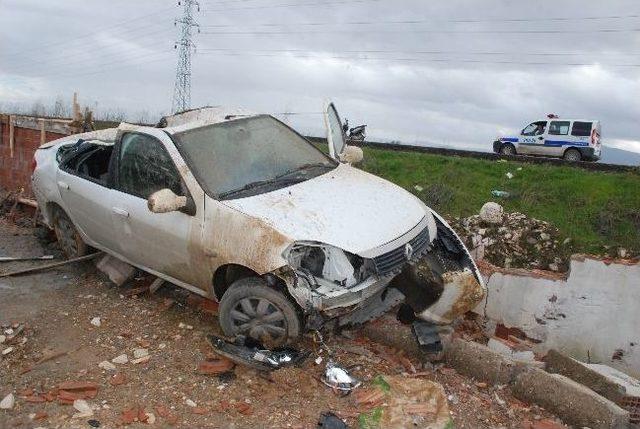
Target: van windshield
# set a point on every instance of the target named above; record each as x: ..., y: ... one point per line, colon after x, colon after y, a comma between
x: 250, y: 156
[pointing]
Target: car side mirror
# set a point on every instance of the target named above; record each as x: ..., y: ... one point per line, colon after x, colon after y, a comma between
x: 351, y: 155
x: 165, y: 201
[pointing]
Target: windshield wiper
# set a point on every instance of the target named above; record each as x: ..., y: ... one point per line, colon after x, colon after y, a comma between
x: 287, y: 177
x: 256, y: 184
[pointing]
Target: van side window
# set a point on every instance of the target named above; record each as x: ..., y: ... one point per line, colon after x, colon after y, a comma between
x: 145, y: 166
x: 581, y: 129
x: 534, y: 129
x: 559, y: 128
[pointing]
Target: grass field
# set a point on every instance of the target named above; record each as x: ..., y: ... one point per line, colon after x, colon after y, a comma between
x: 599, y: 211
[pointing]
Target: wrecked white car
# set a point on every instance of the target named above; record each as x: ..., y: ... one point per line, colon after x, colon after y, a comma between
x: 240, y: 208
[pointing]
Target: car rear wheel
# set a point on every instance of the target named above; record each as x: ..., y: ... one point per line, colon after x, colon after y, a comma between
x: 572, y: 155
x: 508, y: 149
x: 68, y: 236
x: 251, y: 308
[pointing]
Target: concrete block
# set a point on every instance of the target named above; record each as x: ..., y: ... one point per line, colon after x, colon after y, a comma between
x: 387, y: 330
x: 574, y: 403
x: 118, y: 271
x: 564, y: 365
x: 478, y: 361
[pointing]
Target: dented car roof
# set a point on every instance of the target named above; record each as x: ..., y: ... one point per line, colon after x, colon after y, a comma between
x: 172, y: 124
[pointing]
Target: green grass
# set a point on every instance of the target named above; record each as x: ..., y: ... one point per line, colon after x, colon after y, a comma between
x: 595, y: 209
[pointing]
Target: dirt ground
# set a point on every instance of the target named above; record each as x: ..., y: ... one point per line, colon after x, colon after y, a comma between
x: 58, y: 343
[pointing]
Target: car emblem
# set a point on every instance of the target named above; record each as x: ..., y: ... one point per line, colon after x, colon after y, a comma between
x: 408, y: 251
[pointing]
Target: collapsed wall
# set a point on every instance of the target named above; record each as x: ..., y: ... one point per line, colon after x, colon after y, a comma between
x: 592, y: 313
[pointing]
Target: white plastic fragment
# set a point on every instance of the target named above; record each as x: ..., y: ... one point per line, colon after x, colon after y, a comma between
x: 8, y: 402
x: 139, y: 353
x: 122, y: 359
x: 190, y: 403
x: 96, y: 322
x: 107, y: 366
x: 83, y: 408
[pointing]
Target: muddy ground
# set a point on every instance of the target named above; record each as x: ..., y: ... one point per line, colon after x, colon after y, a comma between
x: 59, y: 343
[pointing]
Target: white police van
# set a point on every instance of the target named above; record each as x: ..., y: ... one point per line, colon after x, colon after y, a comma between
x: 571, y: 139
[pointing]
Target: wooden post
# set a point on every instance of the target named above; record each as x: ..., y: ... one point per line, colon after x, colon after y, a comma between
x: 43, y: 133
x: 11, y: 119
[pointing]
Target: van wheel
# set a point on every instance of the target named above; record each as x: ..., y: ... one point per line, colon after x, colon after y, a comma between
x: 250, y: 307
x: 68, y: 236
x: 572, y: 155
x: 508, y: 149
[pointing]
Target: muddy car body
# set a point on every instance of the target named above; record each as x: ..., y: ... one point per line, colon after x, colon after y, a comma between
x: 239, y: 208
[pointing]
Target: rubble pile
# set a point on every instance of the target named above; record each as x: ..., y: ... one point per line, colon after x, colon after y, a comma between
x: 513, y: 240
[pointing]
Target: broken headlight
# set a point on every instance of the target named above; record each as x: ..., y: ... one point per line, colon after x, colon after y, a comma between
x: 317, y: 262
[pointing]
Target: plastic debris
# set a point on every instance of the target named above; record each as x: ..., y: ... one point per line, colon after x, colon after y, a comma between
x: 509, y: 175
x: 249, y: 352
x: 329, y: 420
x: 96, y: 322
x: 500, y: 194
x: 339, y: 378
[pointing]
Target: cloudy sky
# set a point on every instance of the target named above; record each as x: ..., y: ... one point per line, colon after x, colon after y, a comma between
x: 455, y: 72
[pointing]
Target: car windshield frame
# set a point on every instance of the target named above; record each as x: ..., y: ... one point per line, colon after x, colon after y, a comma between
x: 179, y: 142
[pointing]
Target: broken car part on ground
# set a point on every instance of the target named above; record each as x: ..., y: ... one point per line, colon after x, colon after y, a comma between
x: 240, y: 208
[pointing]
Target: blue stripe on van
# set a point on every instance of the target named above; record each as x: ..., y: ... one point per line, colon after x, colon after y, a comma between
x: 558, y: 143
x: 509, y: 139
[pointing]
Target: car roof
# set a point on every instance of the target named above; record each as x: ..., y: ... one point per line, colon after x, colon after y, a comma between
x: 203, y: 116
x: 183, y: 121
x: 565, y: 119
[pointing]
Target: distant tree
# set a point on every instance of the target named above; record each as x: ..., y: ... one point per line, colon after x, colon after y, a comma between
x: 38, y: 109
x: 60, y: 108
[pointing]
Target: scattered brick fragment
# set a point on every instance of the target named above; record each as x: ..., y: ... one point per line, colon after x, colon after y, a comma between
x: 215, y: 367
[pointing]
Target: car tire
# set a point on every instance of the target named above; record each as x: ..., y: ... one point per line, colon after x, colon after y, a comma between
x: 572, y: 155
x: 68, y: 237
x: 508, y: 149
x: 251, y: 308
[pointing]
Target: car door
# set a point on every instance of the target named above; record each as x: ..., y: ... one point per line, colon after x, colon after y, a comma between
x: 531, y: 140
x: 165, y: 243
x: 335, y: 133
x: 558, y: 138
x: 84, y: 184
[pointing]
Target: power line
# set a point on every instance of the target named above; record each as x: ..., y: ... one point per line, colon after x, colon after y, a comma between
x: 430, y: 21
x: 603, y: 30
x: 286, y: 5
x: 92, y: 33
x: 75, y: 58
x: 425, y: 60
x: 412, y: 52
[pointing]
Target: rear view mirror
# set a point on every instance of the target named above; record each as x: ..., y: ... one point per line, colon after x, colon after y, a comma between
x: 351, y: 155
x: 165, y: 201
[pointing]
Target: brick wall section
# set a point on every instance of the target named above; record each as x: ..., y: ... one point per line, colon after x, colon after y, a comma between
x: 15, y: 173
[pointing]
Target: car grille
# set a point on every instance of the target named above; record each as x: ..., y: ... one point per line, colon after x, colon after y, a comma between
x: 394, y: 259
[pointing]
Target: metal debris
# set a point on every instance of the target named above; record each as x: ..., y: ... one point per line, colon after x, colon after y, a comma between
x: 339, y: 378
x: 248, y: 352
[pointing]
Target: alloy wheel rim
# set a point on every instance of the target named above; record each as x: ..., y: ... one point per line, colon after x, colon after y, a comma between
x: 259, y: 318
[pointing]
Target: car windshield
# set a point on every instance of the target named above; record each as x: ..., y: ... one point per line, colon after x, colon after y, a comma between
x: 250, y: 156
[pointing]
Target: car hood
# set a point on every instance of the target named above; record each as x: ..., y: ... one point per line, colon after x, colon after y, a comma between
x: 346, y: 207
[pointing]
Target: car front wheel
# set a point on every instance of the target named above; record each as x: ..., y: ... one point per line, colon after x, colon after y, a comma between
x: 68, y: 236
x: 251, y: 308
x: 508, y: 149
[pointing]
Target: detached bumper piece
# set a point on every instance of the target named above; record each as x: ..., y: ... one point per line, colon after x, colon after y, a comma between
x: 249, y: 353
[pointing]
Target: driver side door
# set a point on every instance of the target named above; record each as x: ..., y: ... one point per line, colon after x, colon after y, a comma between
x: 162, y: 243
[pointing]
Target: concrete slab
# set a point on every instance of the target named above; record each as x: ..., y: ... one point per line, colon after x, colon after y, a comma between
x: 478, y: 361
x: 562, y: 364
x: 574, y: 403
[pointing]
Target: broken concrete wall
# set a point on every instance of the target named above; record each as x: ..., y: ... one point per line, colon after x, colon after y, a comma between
x: 591, y: 314
x: 20, y: 136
